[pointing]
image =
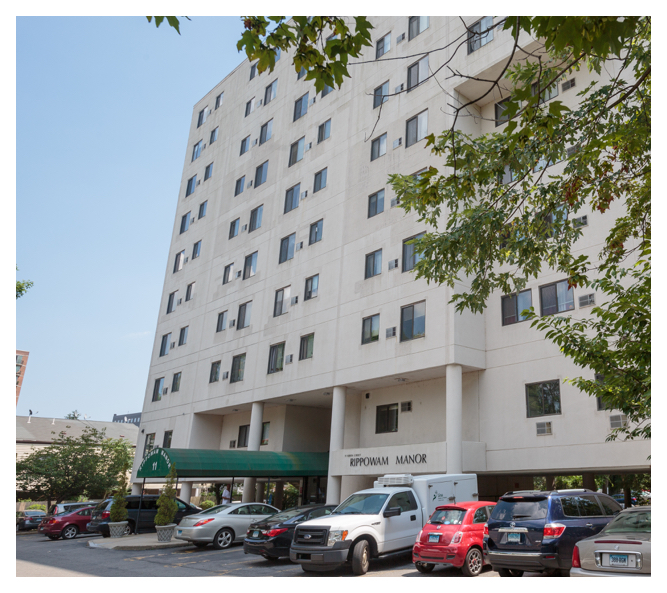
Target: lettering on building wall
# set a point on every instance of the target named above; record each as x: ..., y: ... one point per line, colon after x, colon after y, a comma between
x: 418, y: 458
x: 357, y: 461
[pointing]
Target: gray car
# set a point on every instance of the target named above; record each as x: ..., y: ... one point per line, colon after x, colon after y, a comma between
x: 222, y: 525
x: 622, y: 548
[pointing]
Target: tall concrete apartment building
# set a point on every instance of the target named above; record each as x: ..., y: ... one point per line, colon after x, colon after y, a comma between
x: 291, y: 320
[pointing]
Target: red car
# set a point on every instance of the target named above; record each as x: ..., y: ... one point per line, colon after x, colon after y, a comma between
x: 68, y: 524
x: 453, y: 536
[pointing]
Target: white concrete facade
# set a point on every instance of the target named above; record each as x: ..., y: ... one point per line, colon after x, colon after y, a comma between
x: 465, y: 379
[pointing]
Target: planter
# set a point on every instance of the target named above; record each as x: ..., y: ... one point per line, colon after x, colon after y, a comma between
x: 117, y: 529
x: 165, y: 532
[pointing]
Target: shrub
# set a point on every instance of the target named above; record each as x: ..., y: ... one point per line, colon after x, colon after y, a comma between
x: 37, y: 507
x: 166, y: 504
x: 207, y: 504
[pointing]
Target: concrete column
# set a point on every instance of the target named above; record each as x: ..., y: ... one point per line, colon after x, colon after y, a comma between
x: 186, y: 491
x: 454, y: 418
x: 254, y: 440
x: 336, y: 440
x: 278, y: 497
x: 589, y: 481
x: 136, y: 488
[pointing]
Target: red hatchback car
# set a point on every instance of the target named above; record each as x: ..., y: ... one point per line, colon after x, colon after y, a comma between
x: 68, y: 524
x: 453, y: 536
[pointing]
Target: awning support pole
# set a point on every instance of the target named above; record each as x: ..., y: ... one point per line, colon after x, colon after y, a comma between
x: 141, y: 500
x: 231, y: 491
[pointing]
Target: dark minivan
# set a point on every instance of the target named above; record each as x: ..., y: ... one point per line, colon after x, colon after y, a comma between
x: 536, y: 531
x: 100, y: 517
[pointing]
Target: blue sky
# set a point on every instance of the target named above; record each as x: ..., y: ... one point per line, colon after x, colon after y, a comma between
x: 103, y: 110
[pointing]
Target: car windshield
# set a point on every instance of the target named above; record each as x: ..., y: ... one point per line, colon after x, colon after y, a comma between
x: 635, y: 522
x: 509, y: 510
x: 361, y: 504
x: 102, y: 506
x: 288, y: 514
x: 215, y: 510
x: 448, y: 517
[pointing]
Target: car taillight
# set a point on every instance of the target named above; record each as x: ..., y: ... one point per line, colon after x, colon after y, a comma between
x: 274, y: 532
x: 203, y: 522
x: 576, y: 563
x: 105, y: 515
x: 486, y: 529
x: 553, y: 530
x: 458, y: 536
x: 53, y: 521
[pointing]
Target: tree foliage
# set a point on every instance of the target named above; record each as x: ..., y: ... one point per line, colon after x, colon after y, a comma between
x: 22, y: 286
x: 166, y: 503
x: 172, y: 21
x: 74, y: 415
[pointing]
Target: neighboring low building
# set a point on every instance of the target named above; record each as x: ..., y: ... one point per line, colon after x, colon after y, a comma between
x: 125, y: 418
x: 21, y: 362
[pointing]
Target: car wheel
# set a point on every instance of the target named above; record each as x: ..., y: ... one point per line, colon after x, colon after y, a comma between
x: 70, y: 532
x: 424, y: 567
x: 473, y: 563
x: 361, y: 557
x: 223, y: 539
x: 105, y: 534
x: 510, y: 572
x: 200, y: 544
x: 129, y: 528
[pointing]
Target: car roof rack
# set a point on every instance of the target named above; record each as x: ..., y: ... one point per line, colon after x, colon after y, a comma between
x: 575, y: 490
x: 529, y: 492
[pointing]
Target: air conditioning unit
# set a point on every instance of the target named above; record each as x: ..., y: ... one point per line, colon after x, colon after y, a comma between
x: 398, y: 142
x: 618, y: 421
x: 238, y: 274
x: 299, y: 245
x: 250, y: 183
x: 312, y: 100
x: 232, y: 444
x: 304, y: 194
x: 308, y: 146
x: 395, y: 202
x: 295, y: 300
x: 587, y: 300
x: 244, y: 228
x: 406, y: 406
x: 254, y: 142
x: 259, y: 103
x: 179, y: 301
x: 173, y: 345
x: 543, y: 428
x: 400, y: 38
x: 568, y: 84
x: 393, y: 264
x: 193, y: 220
x: 203, y: 147
x: 232, y: 323
x: 225, y: 375
x: 289, y: 358
x: 391, y: 332
x: 165, y: 391
x: 186, y: 260
x: 198, y: 182
x: 399, y: 88
x: 581, y: 221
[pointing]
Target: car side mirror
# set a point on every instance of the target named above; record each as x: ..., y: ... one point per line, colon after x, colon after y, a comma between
x: 392, y: 512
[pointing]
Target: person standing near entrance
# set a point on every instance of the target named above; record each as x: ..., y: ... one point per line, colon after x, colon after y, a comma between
x: 226, y: 496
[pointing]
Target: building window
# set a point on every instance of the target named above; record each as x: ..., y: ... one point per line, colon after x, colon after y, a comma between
x: 270, y: 92
x: 238, y: 366
x: 250, y: 265
x: 244, y: 431
x: 543, y: 399
x: 413, y: 321
x: 316, y: 232
x: 253, y: 71
x: 296, y: 151
x: 373, y: 263
x: 320, y: 180
x: 376, y: 203
x: 287, y: 248
x: 239, y: 186
x: 306, y: 347
x: 276, y: 356
x: 249, y: 107
x: 265, y: 132
x: 190, y: 292
x: 265, y: 433
x: 378, y: 147
x: 417, y: 73
x: 415, y: 128
x: 556, y: 298
x: 214, y: 136
x: 243, y: 318
x: 228, y: 274
x: 208, y: 172
x: 196, y: 150
x: 546, y: 94
x: 281, y: 301
x: 171, y: 302
x: 386, y: 419
x: 245, y: 145
x: 417, y: 25
x: 149, y: 444
x: 196, y: 250
x: 176, y: 382
x: 300, y: 107
x: 292, y: 198
x: 222, y: 322
x: 514, y: 304
x: 202, y: 117
x: 312, y: 284
x: 501, y: 115
x: 218, y: 100
x: 178, y: 262
x: 215, y: 372
x: 410, y: 255
x: 380, y: 94
x: 165, y: 344
x: 185, y: 223
x: 166, y: 441
x: 323, y: 131
x: 183, y: 336
x: 382, y: 46
x: 255, y: 218
x: 192, y: 183
x: 301, y: 73
x: 202, y: 209
x: 157, y: 389
x: 261, y: 173
x: 480, y: 34
x: 326, y: 90
x: 234, y: 228
x: 370, y: 329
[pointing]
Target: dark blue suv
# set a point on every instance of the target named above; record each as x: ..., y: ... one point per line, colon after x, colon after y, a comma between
x: 536, y: 531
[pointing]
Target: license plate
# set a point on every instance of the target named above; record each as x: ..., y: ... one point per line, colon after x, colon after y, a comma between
x: 179, y: 532
x: 255, y: 533
x: 513, y: 538
x: 618, y: 559
x: 433, y: 537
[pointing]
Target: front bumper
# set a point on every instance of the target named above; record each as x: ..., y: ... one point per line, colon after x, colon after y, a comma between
x: 265, y: 547
x: 433, y: 554
x: 325, y: 557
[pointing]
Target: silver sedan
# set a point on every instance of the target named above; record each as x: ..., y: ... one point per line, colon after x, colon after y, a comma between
x: 223, y: 524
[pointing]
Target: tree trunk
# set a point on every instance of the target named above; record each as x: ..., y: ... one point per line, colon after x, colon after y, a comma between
x: 628, y: 497
x: 218, y: 494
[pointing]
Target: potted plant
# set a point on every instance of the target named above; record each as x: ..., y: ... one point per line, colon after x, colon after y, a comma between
x: 118, y: 524
x: 167, y: 507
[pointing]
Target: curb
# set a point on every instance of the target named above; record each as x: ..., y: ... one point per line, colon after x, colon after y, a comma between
x: 136, y: 547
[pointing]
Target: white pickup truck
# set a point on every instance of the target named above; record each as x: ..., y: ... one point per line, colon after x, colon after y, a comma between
x: 382, y: 520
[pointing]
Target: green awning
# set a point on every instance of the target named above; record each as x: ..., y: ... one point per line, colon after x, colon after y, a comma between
x: 206, y: 463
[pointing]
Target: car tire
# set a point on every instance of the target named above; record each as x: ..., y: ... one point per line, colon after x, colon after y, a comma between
x: 70, y: 532
x: 510, y: 572
x: 223, y: 539
x: 473, y: 563
x: 361, y: 557
x: 200, y: 544
x: 129, y: 528
x: 54, y: 537
x: 424, y: 567
x: 105, y: 534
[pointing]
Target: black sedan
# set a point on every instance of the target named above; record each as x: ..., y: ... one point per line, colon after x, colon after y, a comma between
x: 272, y: 537
x: 29, y: 519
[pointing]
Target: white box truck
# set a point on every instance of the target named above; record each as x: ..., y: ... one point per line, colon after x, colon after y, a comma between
x: 382, y: 520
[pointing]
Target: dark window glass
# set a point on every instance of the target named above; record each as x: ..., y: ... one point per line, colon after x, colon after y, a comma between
x: 243, y: 318
x: 196, y: 150
x: 417, y: 25
x: 589, y: 507
x: 315, y: 232
x: 410, y: 255
x: 418, y: 73
x: 242, y: 441
x: 415, y: 128
x: 265, y: 132
x: 166, y: 441
x: 378, y: 147
x: 270, y: 92
x: 403, y: 500
x: 610, y: 506
x: 238, y: 366
x: 383, y: 46
x: 514, y: 304
x: 376, y: 203
x: 157, y: 389
x: 215, y: 372
x: 480, y: 34
x: 228, y: 274
x: 165, y: 344
x: 202, y: 209
x: 292, y: 198
x: 370, y: 329
x: 320, y: 180
x: 373, y: 263
x: 261, y: 173
x: 214, y: 136
x: 480, y: 515
x: 506, y: 510
x: 222, y: 322
x: 569, y: 506
x: 296, y: 151
x: 306, y: 347
x: 192, y: 183
x: 276, y: 356
x: 176, y: 382
x: 301, y: 73
x: 171, y: 303
x: 245, y: 145
x: 287, y: 248
x: 380, y: 94
x: 202, y: 117
x: 556, y: 298
x: 413, y: 321
x: 300, y: 107
x: 149, y: 444
x: 326, y: 90
x: 239, y: 186
x: 312, y: 285
x: 253, y: 71
x: 501, y: 116
x: 323, y: 131
x: 218, y: 100
x: 250, y: 266
x: 543, y: 399
x: 386, y: 418
x: 248, y: 108
x: 208, y: 172
x: 185, y: 223
x: 234, y: 228
x: 183, y: 336
x: 281, y: 301
x: 196, y: 250
x: 256, y: 218
x: 265, y: 441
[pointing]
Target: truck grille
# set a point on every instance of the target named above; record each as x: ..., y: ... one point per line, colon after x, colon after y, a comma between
x: 315, y: 536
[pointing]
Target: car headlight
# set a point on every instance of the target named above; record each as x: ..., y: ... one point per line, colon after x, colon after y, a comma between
x: 337, y: 535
